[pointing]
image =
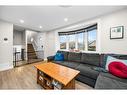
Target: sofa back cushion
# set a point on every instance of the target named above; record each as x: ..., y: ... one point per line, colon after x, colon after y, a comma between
x: 65, y: 53
x: 91, y: 58
x: 124, y: 57
x: 75, y: 57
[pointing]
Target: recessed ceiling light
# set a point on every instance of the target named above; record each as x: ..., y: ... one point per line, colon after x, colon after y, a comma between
x: 65, y: 6
x: 65, y: 19
x: 40, y: 26
x: 21, y: 21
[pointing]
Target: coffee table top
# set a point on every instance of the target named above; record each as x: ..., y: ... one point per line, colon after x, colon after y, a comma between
x: 58, y: 72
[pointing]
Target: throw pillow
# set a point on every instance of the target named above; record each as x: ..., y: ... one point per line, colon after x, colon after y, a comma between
x: 118, y: 69
x: 59, y: 57
x: 112, y: 59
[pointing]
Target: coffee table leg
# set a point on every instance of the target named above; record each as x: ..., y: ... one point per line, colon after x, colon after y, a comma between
x: 70, y: 85
x: 73, y: 84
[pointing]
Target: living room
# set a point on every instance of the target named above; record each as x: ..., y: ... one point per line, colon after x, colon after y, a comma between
x: 72, y: 47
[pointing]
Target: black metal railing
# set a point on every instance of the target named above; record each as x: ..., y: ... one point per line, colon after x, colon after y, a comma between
x: 23, y: 57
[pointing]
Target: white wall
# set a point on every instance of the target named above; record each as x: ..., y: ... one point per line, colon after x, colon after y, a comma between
x: 40, y: 40
x: 30, y: 34
x: 6, y: 47
x: 49, y: 44
x: 115, y: 45
x: 18, y: 42
x: 104, y: 44
x: 18, y: 37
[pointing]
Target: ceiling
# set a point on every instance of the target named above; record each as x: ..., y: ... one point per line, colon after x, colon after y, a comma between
x: 52, y: 17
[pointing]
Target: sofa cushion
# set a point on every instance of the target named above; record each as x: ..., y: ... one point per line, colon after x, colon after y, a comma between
x: 58, y: 62
x: 73, y: 65
x: 89, y: 81
x: 108, y: 81
x: 75, y: 57
x: 68, y: 64
x: 113, y: 77
x: 87, y: 70
x: 65, y: 53
x: 91, y: 58
x: 50, y: 58
x: 123, y: 57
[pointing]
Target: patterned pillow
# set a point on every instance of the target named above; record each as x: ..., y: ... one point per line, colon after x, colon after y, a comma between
x: 118, y: 69
x: 111, y: 59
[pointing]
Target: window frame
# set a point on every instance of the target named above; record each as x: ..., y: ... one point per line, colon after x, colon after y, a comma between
x: 85, y: 42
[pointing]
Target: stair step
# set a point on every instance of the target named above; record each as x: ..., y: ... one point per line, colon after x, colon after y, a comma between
x: 32, y: 57
x: 31, y: 52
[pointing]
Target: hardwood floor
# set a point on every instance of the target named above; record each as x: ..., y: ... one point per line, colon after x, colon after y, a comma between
x: 24, y: 77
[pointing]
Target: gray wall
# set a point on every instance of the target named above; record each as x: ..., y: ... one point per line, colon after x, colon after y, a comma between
x: 19, y: 38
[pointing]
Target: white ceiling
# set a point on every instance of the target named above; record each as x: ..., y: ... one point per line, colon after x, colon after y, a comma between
x: 52, y: 17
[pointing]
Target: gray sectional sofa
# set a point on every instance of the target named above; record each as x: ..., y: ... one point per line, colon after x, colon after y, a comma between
x: 86, y: 64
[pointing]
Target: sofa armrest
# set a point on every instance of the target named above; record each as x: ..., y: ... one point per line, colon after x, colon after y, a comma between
x: 50, y: 58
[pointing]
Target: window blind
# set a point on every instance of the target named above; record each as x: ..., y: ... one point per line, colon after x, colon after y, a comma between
x: 86, y: 29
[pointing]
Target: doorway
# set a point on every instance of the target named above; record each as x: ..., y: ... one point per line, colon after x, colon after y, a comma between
x: 25, y: 47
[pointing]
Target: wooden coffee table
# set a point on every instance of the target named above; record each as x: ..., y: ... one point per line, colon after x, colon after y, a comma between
x: 54, y: 76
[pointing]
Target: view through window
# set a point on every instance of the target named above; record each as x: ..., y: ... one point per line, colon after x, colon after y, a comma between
x: 92, y: 40
x: 81, y: 41
x: 63, y: 40
x: 72, y: 40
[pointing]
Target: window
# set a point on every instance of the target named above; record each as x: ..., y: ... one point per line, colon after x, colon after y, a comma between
x: 72, y: 41
x: 92, y: 40
x: 81, y: 41
x: 63, y: 42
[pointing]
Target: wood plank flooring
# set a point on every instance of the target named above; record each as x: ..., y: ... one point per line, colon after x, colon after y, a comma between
x: 24, y: 77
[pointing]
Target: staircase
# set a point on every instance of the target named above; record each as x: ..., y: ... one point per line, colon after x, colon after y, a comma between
x: 31, y: 54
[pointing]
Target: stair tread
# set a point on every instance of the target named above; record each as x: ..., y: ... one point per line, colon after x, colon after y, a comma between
x: 31, y: 52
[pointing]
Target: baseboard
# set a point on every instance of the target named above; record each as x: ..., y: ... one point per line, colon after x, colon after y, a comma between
x: 5, y: 66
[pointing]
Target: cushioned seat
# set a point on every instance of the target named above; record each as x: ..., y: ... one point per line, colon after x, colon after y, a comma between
x: 68, y: 64
x: 72, y: 64
x: 108, y: 81
x: 112, y: 77
x: 87, y: 70
x: 59, y: 62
